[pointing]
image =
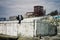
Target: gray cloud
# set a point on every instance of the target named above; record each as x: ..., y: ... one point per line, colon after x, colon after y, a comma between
x: 15, y: 7
x: 50, y: 5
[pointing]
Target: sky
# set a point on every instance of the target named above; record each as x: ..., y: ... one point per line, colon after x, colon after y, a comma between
x: 20, y: 7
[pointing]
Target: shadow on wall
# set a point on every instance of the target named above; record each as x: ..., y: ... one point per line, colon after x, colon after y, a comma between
x: 1, y: 38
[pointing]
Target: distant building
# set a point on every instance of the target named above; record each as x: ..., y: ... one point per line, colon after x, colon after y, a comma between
x: 13, y: 18
x: 56, y: 17
x: 39, y: 11
x: 2, y: 19
x: 29, y: 14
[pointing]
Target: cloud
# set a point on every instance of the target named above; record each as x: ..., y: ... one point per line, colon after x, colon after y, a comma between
x: 50, y: 5
x: 17, y: 7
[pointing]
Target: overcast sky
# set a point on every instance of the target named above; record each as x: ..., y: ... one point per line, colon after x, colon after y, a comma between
x: 18, y: 7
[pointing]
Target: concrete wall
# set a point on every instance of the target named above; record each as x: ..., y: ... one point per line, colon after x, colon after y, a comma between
x: 12, y: 28
x: 25, y: 28
x: 9, y: 28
